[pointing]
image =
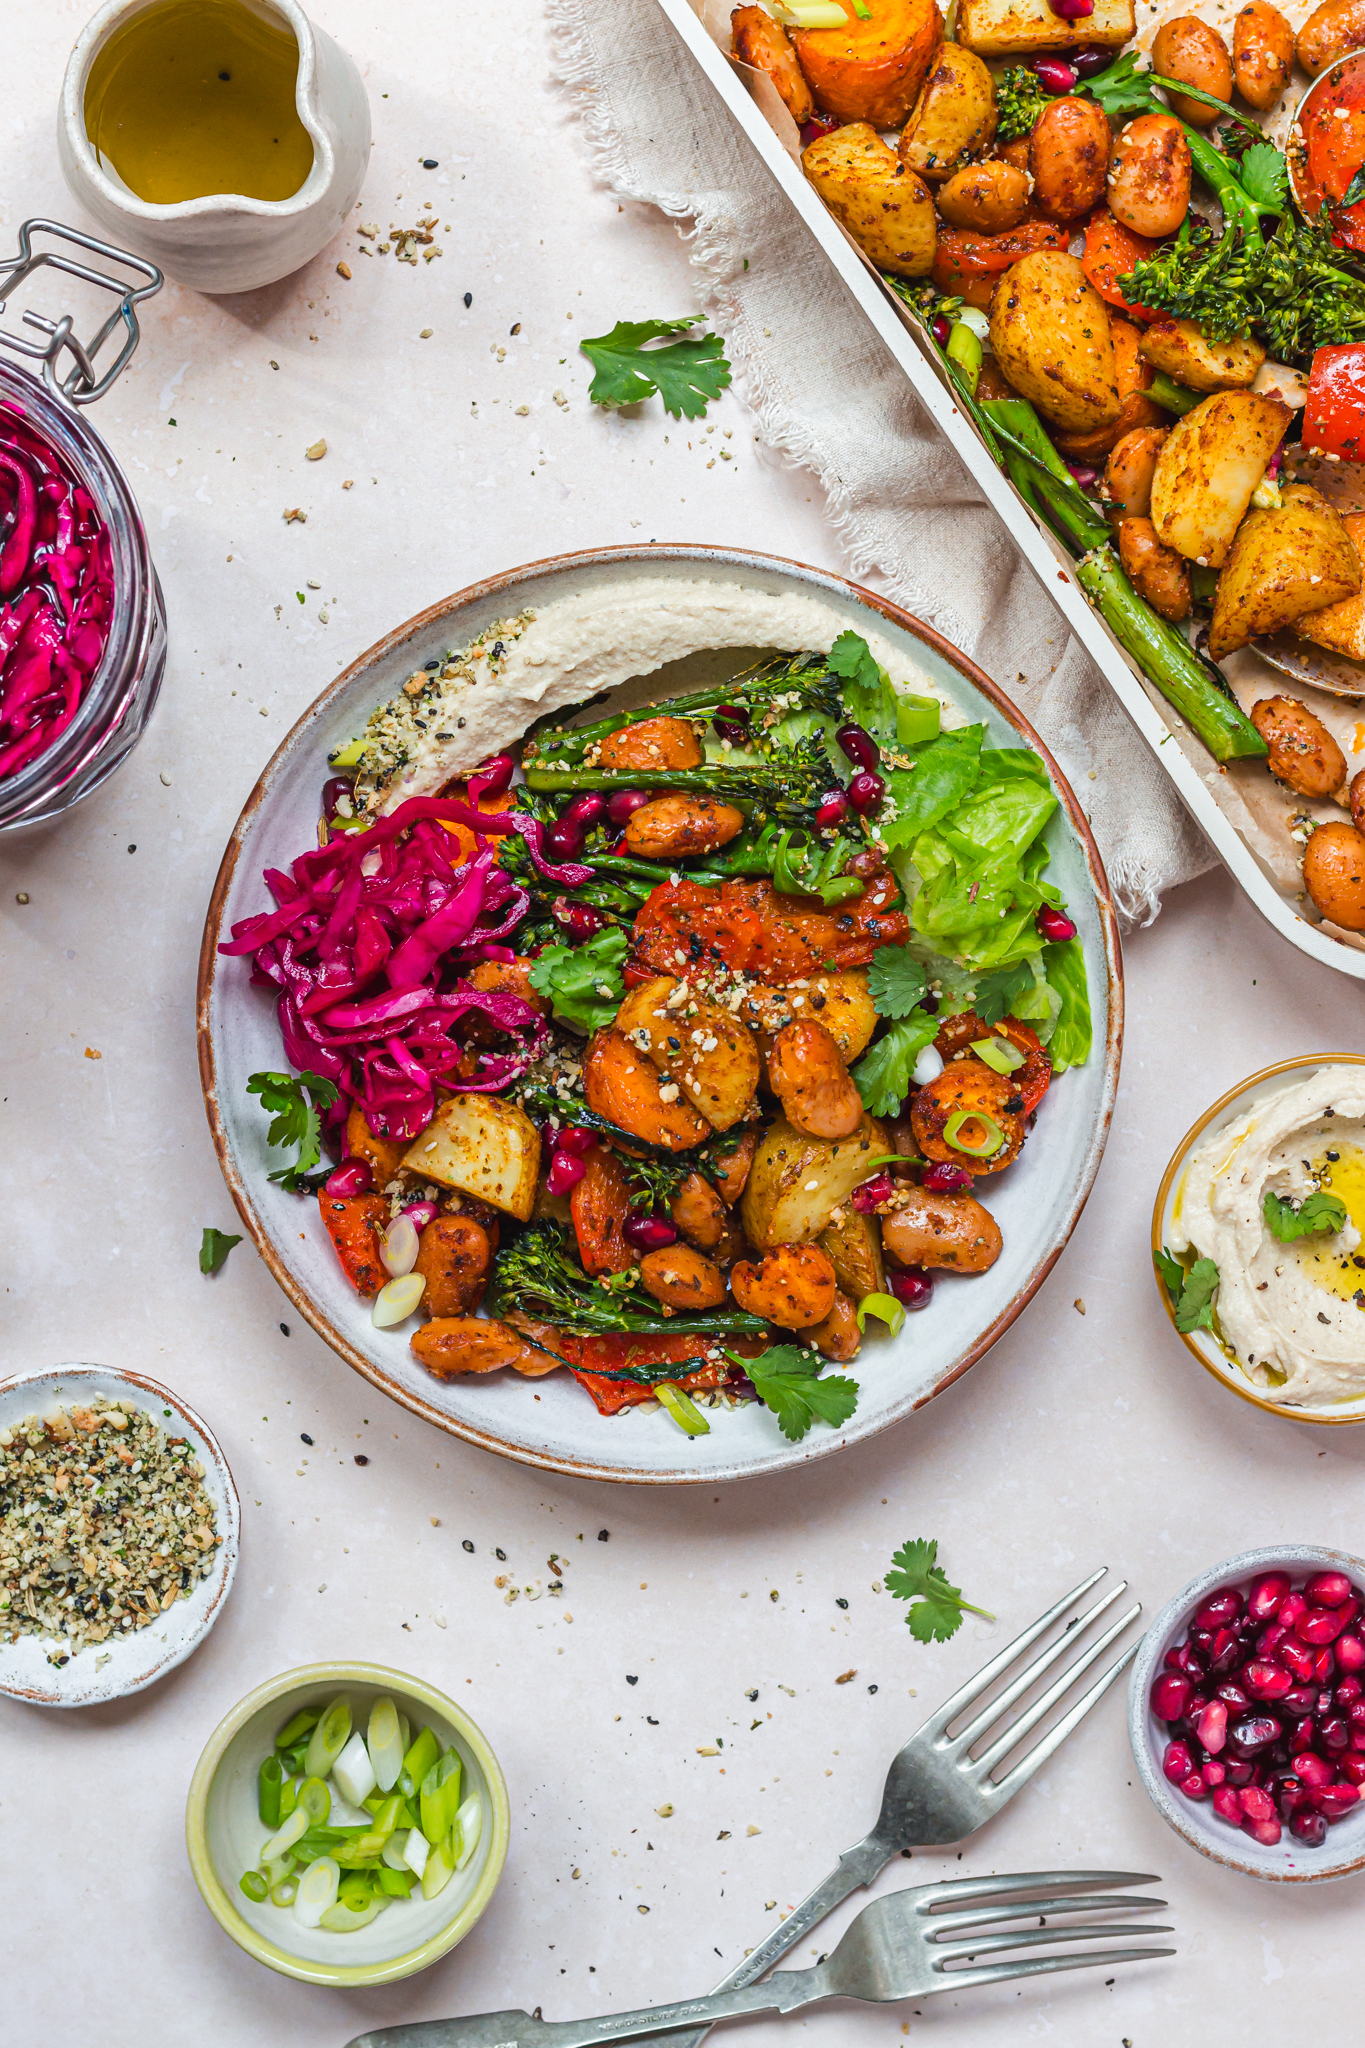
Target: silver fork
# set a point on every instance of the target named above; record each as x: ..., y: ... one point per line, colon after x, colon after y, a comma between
x: 899, y: 1947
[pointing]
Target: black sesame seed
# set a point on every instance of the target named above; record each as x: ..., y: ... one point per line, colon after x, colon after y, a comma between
x: 841, y: 1603
x: 430, y: 163
x: 752, y: 1695
x: 431, y: 666
x: 501, y: 1556
x: 604, y: 1535
x: 632, y: 1681
x: 872, y: 1688
x: 469, y: 298
x: 361, y: 1459
x: 467, y: 1545
x: 304, y: 1437
x: 132, y: 849
x: 284, y: 1329
x: 651, y: 1720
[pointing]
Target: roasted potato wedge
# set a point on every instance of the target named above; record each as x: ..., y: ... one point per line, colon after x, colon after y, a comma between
x: 484, y: 1146
x: 988, y: 198
x: 1208, y: 467
x: 872, y: 69
x: 1262, y: 54
x: 781, y: 1206
x: 1132, y: 376
x: 1303, y: 754
x: 838, y: 1001
x: 1281, y: 564
x: 953, y: 119
x: 1339, y: 626
x: 697, y: 1043
x: 1050, y: 331
x: 1334, y: 873
x: 1178, y: 348
x: 854, y: 1245
x: 1187, y: 50
x: 625, y: 1087
x: 1019, y: 28
x: 883, y: 204
x: 1329, y: 32
x: 762, y: 43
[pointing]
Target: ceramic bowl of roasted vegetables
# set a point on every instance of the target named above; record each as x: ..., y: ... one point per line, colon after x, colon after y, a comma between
x: 1136, y: 254
x: 627, y: 1003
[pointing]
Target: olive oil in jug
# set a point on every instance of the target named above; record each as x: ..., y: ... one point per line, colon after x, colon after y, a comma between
x: 193, y: 97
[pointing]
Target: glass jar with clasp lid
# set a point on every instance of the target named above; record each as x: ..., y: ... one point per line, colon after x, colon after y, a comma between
x: 82, y: 623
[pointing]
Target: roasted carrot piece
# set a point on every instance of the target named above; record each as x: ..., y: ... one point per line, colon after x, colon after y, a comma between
x: 384, y: 1156
x: 355, y: 1224
x: 599, y: 1205
x: 452, y: 1258
x: 622, y: 1085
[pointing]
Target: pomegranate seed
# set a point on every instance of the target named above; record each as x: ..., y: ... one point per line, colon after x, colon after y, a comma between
x: 865, y: 793
x: 1314, y: 1770
x: 1302, y: 1736
x: 352, y: 1177
x: 1054, y: 925
x: 1355, y: 1713
x: 1220, y: 1609
x: 576, y: 1139
x: 1324, y: 1666
x: 1318, y: 1625
x: 1308, y: 1827
x: 833, y: 808
x: 941, y: 330
x: 649, y: 1233
x: 1270, y: 1638
x: 1194, y: 1787
x: 1291, y: 1607
x: 1172, y: 1660
x: 1177, y: 1762
x: 587, y: 810
x: 1336, y: 1801
x: 727, y: 729
x: 1266, y: 1595
x: 1089, y: 63
x: 1214, y: 1772
x: 1290, y: 1795
x: 579, y: 920
x: 1254, y: 1733
x: 1072, y: 10
x: 419, y: 1214
x: 1256, y: 1804
x: 879, y: 1189
x: 1056, y: 77
x: 1358, y: 1741
x: 1301, y: 1699
x: 1348, y: 1611
x: 943, y: 1178
x: 333, y: 790
x: 1201, y: 1638
x: 564, y: 840
x: 623, y: 803
x: 859, y: 745
x: 492, y: 779
x: 913, y: 1288
x: 818, y: 125
x: 1350, y: 1689
x: 1334, y: 1734
x: 1266, y: 1832
x: 1265, y: 1681
x: 1191, y: 1661
x: 1297, y: 1658
x: 1232, y: 1695
x: 1352, y: 1767
x: 565, y: 1172
x: 1225, y: 1652
x: 1213, y: 1727
x: 1239, y: 1772
x: 1327, y: 1589
x: 1170, y: 1695
x: 1085, y: 476
x: 1227, y: 1805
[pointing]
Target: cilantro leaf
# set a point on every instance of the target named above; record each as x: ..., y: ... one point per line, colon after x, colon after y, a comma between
x: 214, y: 1249
x: 1318, y: 1213
x: 883, y: 1074
x: 938, y: 1607
x: 583, y: 983
x: 295, y: 1118
x: 1264, y: 176
x: 995, y: 992
x: 686, y: 374
x: 789, y: 1381
x: 895, y: 981
x: 1171, y: 1271
x: 1194, y: 1310
x: 868, y: 693
x: 852, y: 658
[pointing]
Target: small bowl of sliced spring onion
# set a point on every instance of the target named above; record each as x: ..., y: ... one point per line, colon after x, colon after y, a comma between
x: 347, y: 1824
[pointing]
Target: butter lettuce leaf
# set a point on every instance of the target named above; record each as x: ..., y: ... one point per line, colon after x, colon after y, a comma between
x: 945, y: 771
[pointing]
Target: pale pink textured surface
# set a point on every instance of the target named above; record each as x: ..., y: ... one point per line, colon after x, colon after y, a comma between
x: 1076, y: 1442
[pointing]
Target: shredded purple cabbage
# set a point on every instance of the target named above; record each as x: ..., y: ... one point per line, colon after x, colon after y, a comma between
x: 56, y: 593
x: 364, y: 948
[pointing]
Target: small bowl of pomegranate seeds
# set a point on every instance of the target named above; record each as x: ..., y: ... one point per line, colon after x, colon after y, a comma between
x: 1247, y: 1714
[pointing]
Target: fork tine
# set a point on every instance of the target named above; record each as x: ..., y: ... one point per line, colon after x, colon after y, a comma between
x: 988, y: 1674
x: 999, y: 1973
x: 1042, y: 1750
x: 984, y: 1916
x: 1030, y: 1675
x: 1019, y: 1881
x: 1034, y: 1937
x: 1011, y: 1737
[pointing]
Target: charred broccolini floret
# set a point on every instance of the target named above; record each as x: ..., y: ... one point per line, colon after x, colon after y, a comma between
x: 1019, y: 100
x: 539, y: 1276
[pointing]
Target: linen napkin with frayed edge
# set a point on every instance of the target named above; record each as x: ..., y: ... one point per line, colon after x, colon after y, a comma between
x: 829, y: 396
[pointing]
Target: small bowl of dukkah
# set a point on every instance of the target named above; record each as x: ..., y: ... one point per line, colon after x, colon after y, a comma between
x: 118, y: 1534
x: 1258, y: 1239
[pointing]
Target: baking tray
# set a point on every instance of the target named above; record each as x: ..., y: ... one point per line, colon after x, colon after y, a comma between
x: 1187, y: 764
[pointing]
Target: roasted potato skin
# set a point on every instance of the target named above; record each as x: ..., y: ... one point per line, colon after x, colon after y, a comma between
x: 598, y: 1206
x: 622, y: 1085
x: 1187, y: 50
x: 854, y: 1248
x: 682, y: 1277
x: 1157, y: 572
x: 1262, y: 54
x: 484, y: 1146
x: 969, y: 1085
x: 1334, y: 873
x: 1210, y: 463
x: 838, y: 1001
x: 838, y: 1337
x: 792, y: 1286
x: 1069, y: 157
x: 673, y: 826
x: 696, y: 1043
x: 652, y: 744
x: 763, y: 43
x: 1281, y: 564
x: 812, y: 1083
x: 1178, y: 348
x: 1303, y: 753
x: 1329, y: 32
x: 450, y: 1346
x: 872, y: 69
x: 1129, y: 471
x: 1339, y: 626
x: 699, y: 1213
x: 883, y: 204
x: 954, y: 1232
x: 987, y: 199
x: 385, y: 1156
x: 778, y: 1206
x: 452, y: 1257
x: 1050, y: 330
x: 1149, y: 175
x: 1132, y: 376
x: 954, y: 118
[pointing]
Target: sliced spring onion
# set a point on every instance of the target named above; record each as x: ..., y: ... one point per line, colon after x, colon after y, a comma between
x: 396, y: 1301
x: 289, y: 1797
x: 441, y: 1796
x: 389, y: 1814
x: 416, y: 1850
x: 285, y: 1837
x: 955, y: 1133
x: 341, y: 1919
x: 975, y: 319
x: 398, y: 1249
x: 404, y: 1731
x: 315, y: 1800
x: 394, y: 1852
x: 683, y: 1409
x: 440, y: 1868
x: 467, y: 1830
x: 999, y: 1053
x: 395, y: 1884
x: 810, y: 14
x: 254, y: 1885
x: 349, y: 756
x: 885, y: 1307
x: 966, y: 351
x: 294, y: 1731
x: 418, y: 1759
x: 383, y: 1737
x: 355, y: 1889
x: 928, y: 1066
x: 317, y: 1891
x: 353, y: 1772
x: 284, y: 1892
x: 274, y: 1869
x: 328, y: 1739
x: 269, y: 1785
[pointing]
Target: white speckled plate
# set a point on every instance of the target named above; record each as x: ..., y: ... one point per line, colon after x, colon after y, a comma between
x: 108, y: 1670
x: 551, y: 1422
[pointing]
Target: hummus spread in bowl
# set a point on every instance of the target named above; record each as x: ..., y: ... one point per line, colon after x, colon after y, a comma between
x: 1259, y: 1237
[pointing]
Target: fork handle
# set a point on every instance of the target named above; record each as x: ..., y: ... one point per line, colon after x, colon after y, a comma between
x: 789, y: 1990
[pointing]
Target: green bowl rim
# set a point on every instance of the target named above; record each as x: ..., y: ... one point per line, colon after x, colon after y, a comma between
x: 219, y: 1900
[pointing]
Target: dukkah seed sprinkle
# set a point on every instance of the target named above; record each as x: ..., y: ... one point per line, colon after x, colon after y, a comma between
x: 104, y: 1524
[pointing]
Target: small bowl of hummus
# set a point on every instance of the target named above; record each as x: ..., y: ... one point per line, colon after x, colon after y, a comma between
x: 1258, y: 1239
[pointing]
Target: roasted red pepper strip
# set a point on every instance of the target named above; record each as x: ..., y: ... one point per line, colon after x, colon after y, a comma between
x: 1111, y: 250
x: 747, y: 927
x: 1333, y: 127
x: 1334, y: 415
